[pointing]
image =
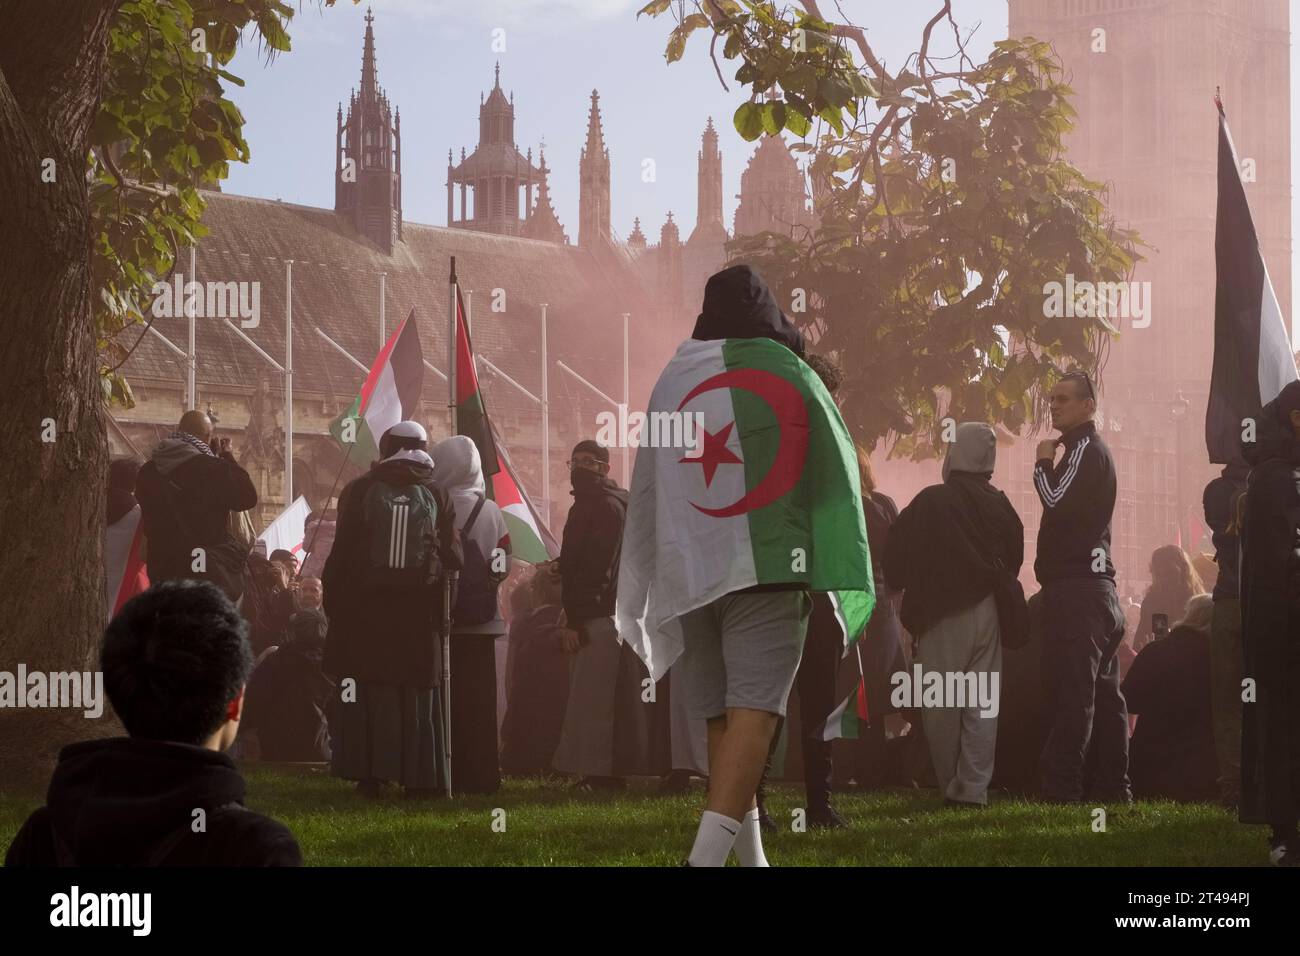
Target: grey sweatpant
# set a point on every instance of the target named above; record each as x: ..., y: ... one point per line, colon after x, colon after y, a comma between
x: 962, y: 741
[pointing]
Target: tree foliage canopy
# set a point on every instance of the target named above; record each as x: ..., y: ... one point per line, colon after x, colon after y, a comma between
x: 944, y: 206
x: 165, y: 128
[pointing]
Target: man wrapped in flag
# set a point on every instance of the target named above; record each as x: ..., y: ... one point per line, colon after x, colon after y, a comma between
x: 722, y: 549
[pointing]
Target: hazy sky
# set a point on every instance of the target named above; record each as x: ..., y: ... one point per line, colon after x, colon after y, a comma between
x: 435, y: 59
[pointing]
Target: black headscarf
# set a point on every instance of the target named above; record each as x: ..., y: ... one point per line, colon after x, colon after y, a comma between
x: 739, y: 305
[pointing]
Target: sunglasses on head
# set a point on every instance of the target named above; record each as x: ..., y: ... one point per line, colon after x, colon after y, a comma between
x: 1078, y: 374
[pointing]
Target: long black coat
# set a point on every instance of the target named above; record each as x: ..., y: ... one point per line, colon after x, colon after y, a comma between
x: 1270, y: 617
x: 387, y: 639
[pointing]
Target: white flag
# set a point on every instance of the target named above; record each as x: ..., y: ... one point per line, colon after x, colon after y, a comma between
x: 288, y: 531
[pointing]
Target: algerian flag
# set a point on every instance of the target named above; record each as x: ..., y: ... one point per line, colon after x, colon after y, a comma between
x: 529, y: 539
x: 852, y: 611
x: 390, y: 395
x: 771, y: 496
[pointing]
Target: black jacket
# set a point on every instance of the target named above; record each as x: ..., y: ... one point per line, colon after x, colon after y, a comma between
x: 1171, y: 754
x: 186, y: 498
x: 1220, y: 501
x: 130, y: 802
x: 1078, y: 497
x: 393, y: 639
x: 288, y: 696
x: 593, y: 542
x: 942, y: 549
x: 1270, y: 625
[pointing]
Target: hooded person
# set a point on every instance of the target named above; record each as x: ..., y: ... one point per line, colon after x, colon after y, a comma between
x: 1270, y: 625
x: 605, y: 733
x: 174, y: 663
x: 726, y: 540
x: 477, y: 621
x: 943, y: 552
x: 187, y: 493
x: 395, y: 541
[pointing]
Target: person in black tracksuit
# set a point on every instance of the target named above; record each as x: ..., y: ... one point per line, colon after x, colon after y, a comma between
x: 1084, y: 621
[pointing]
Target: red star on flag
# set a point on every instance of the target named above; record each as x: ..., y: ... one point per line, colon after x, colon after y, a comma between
x: 715, y: 453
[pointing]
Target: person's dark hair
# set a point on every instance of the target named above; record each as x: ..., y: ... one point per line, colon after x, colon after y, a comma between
x: 592, y: 448
x: 281, y: 554
x: 122, y: 473
x: 173, y: 659
x: 1082, y: 383
x: 832, y: 375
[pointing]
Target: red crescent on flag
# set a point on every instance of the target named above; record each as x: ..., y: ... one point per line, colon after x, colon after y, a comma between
x: 787, y: 404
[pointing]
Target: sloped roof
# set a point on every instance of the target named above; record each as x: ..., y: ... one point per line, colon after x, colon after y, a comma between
x: 336, y: 288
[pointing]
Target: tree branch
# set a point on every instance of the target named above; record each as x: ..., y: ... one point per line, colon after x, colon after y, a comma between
x: 856, y: 34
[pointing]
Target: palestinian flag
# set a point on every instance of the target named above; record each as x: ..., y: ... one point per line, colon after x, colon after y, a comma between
x: 770, y: 495
x: 125, y: 575
x: 529, y: 538
x: 471, y: 413
x: 1252, y: 346
x: 390, y: 395
x: 847, y: 720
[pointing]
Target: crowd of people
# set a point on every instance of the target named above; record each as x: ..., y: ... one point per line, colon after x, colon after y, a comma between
x: 1187, y: 696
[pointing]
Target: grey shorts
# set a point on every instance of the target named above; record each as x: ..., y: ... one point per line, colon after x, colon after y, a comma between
x: 742, y: 650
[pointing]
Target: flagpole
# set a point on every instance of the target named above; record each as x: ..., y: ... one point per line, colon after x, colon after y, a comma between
x: 191, y: 361
x: 627, y: 402
x: 383, y: 337
x: 449, y: 581
x: 288, y: 382
x: 546, y: 425
x: 451, y: 350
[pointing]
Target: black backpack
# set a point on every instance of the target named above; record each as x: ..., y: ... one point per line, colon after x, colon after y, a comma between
x: 401, y: 524
x: 476, y: 596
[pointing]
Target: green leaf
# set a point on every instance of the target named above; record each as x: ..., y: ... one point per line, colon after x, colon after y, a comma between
x: 749, y: 121
x: 796, y: 122
x: 654, y: 8
x: 773, y: 117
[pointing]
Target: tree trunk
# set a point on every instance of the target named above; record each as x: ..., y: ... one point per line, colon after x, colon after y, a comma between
x: 52, y: 63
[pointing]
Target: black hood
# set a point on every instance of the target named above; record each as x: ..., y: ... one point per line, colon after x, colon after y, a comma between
x: 739, y: 305
x: 114, y: 801
x: 588, y: 484
x: 1273, y: 440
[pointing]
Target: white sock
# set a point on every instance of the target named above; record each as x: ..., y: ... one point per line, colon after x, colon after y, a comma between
x: 749, y: 842
x: 714, y: 839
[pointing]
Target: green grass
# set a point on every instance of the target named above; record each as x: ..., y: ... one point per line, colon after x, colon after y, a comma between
x: 545, y: 825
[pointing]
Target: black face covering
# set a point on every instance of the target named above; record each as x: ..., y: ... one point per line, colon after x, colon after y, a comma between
x: 583, y: 478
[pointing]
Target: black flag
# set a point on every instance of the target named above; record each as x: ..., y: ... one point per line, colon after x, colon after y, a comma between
x: 1252, y: 348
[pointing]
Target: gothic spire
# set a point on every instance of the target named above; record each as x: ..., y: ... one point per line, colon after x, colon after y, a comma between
x: 369, y: 72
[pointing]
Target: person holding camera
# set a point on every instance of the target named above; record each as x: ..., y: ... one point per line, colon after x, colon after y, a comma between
x: 188, y: 491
